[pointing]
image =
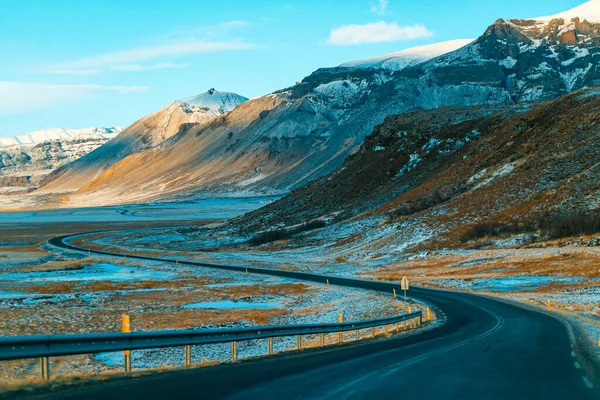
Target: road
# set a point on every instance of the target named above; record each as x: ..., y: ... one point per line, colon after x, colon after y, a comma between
x: 487, y: 349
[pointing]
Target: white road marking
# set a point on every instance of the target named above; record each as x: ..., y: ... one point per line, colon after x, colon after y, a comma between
x: 573, y: 354
x: 338, y: 393
x: 587, y: 382
x: 577, y: 365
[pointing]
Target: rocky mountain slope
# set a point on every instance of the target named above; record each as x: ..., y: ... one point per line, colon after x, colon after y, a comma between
x: 25, y: 160
x: 144, y: 134
x: 436, y: 179
x: 284, y: 140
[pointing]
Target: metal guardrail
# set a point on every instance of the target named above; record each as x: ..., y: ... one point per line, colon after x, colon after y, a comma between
x: 45, y: 346
x: 34, y: 346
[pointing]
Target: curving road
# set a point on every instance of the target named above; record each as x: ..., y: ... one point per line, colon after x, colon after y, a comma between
x: 487, y: 349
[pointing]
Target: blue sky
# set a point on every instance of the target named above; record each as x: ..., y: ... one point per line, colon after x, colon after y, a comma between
x: 83, y: 63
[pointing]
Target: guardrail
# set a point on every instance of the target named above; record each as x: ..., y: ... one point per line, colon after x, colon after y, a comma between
x: 45, y: 346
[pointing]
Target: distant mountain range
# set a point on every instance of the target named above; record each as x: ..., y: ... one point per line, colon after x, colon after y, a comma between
x: 286, y: 139
x: 54, y: 134
x: 26, y: 159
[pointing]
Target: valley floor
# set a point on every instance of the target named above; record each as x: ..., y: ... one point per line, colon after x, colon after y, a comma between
x: 44, y: 290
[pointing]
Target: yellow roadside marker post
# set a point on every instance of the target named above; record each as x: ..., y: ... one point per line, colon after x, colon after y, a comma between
x: 328, y: 281
x: 340, y: 321
x: 428, y: 314
x: 549, y: 305
x: 394, y: 292
x: 126, y: 328
x: 409, y: 309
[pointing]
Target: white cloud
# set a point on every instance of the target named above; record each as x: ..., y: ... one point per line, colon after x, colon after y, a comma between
x: 24, y: 97
x: 153, y: 67
x: 197, y: 40
x: 380, y: 7
x: 73, y: 71
x: 376, y: 32
x: 140, y: 54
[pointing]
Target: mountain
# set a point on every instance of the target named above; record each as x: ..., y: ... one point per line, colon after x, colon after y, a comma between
x: 409, y: 57
x: 439, y: 178
x: 147, y: 133
x: 55, y: 134
x: 286, y: 139
x: 25, y: 160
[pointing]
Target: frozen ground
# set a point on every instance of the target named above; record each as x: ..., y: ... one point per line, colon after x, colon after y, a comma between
x: 45, y: 290
x: 196, y: 210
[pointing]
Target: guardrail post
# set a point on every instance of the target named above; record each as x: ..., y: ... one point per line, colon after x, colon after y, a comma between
x: 270, y: 346
x: 188, y: 356
x: 299, y: 340
x: 128, y: 362
x: 45, y: 368
x: 323, y: 340
x: 234, y: 351
x: 126, y: 328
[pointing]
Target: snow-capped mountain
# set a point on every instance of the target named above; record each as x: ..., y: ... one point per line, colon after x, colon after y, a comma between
x: 589, y: 11
x: 213, y: 101
x: 27, y: 159
x: 53, y: 134
x: 143, y: 135
x: 278, y: 142
x: 409, y: 57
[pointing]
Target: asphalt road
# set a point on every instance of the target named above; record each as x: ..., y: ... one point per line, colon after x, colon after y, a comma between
x: 487, y: 349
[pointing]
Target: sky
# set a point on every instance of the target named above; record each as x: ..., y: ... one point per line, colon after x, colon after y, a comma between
x: 75, y: 64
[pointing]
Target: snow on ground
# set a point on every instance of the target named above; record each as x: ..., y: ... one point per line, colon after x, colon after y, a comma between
x: 200, y: 209
x: 409, y: 57
x: 589, y: 11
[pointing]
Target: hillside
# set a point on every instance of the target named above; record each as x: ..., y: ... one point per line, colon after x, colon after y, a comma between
x: 429, y: 179
x: 144, y: 134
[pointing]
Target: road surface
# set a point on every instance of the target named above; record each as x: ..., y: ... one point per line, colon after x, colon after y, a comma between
x: 487, y: 349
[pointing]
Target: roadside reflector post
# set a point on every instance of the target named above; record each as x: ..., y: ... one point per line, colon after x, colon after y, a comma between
x: 246, y: 270
x: 394, y: 292
x: 387, y: 329
x: 357, y: 335
x: 373, y: 331
x: 428, y: 314
x: 327, y: 281
x: 126, y: 328
x: 549, y: 305
x: 299, y: 340
x: 45, y: 368
x: 340, y: 321
x: 323, y: 340
x: 188, y: 356
x: 234, y: 351
x: 270, y: 346
x: 176, y: 262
